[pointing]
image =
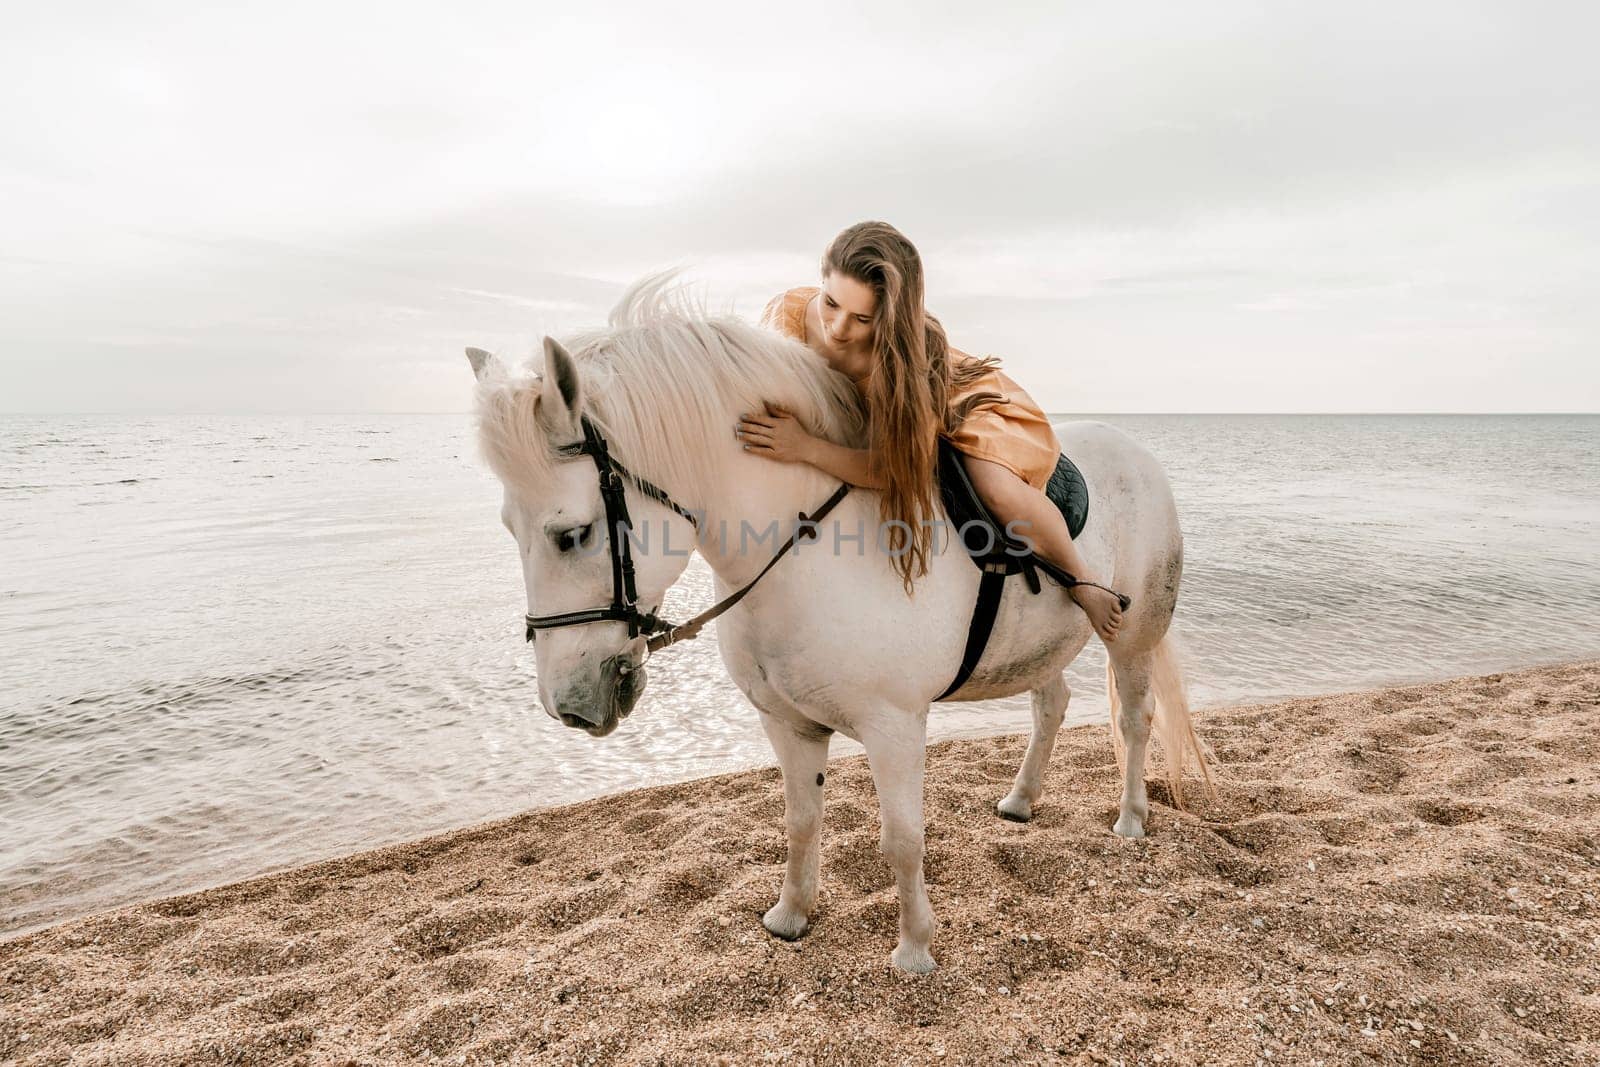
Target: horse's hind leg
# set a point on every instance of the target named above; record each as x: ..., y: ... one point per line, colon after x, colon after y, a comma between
x: 1049, y: 707
x: 803, y: 755
x: 1133, y: 724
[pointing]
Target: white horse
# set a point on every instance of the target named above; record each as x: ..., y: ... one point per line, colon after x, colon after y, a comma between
x: 829, y: 640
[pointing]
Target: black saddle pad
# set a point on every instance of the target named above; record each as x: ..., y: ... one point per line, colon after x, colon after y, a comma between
x: 985, y: 539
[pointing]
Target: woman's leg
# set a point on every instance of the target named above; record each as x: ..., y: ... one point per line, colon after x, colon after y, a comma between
x: 1013, y: 501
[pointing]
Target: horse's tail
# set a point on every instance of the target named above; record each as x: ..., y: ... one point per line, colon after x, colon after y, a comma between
x: 1173, y: 724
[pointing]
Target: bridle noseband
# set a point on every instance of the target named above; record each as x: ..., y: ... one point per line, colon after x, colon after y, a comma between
x: 624, y: 606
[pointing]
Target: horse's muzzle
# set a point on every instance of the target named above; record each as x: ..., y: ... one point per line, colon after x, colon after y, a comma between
x: 616, y: 692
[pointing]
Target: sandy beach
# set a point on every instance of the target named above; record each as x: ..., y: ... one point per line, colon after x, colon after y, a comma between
x: 1404, y: 875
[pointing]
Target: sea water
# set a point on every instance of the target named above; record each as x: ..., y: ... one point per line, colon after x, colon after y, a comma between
x: 231, y: 644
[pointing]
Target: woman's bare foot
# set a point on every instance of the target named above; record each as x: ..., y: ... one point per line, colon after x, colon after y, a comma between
x: 1103, y: 609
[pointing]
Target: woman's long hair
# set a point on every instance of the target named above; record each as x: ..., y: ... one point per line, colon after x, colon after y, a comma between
x: 908, y: 393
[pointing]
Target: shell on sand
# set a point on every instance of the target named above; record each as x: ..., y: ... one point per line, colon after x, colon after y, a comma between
x: 1401, y: 875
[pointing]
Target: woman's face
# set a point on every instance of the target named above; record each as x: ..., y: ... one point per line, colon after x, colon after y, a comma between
x: 847, y: 313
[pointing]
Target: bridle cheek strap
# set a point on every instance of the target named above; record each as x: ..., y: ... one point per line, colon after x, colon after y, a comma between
x: 624, y: 605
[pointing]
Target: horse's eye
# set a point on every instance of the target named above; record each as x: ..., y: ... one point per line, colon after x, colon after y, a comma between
x: 573, y: 538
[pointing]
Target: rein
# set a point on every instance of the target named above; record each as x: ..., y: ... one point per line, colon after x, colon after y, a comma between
x: 624, y: 606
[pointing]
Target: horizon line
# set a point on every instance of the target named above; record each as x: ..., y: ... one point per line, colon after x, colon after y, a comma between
x: 169, y: 413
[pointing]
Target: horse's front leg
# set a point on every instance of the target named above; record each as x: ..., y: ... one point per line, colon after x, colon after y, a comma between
x: 897, y: 759
x: 803, y: 756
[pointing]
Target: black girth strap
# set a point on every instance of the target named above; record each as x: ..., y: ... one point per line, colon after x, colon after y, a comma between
x: 991, y: 587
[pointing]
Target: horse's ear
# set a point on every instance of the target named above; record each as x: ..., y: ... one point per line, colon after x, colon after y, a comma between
x: 483, y: 363
x: 561, y: 399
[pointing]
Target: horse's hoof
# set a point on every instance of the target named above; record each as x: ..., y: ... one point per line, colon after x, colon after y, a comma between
x: 913, y: 960
x: 1128, y: 826
x: 785, y: 924
x: 1014, y: 810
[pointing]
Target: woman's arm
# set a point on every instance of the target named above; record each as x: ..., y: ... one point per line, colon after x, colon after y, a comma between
x: 778, y: 435
x: 853, y: 465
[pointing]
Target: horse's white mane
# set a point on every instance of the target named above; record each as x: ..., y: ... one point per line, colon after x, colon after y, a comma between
x: 660, y: 381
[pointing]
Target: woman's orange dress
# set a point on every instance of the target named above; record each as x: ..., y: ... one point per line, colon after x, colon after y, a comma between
x: 1013, y: 432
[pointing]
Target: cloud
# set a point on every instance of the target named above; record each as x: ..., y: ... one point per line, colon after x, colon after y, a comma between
x: 1151, y: 184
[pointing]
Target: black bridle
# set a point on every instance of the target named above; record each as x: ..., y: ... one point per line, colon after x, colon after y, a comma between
x: 624, y: 606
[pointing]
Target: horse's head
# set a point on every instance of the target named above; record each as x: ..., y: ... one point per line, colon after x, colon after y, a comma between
x: 590, y: 670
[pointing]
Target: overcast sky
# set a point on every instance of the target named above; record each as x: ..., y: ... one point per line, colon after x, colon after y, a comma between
x: 1185, y: 207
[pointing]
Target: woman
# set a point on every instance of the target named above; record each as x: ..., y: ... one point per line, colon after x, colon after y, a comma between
x: 868, y: 322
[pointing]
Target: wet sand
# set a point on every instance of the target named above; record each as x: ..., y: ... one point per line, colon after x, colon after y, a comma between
x: 1404, y: 875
